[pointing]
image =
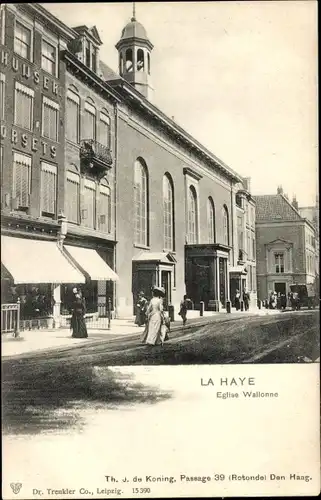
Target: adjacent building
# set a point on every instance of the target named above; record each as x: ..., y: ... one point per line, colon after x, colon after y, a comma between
x: 91, y: 166
x: 285, y: 245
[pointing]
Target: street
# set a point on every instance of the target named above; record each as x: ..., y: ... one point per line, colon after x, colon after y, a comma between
x: 36, y: 385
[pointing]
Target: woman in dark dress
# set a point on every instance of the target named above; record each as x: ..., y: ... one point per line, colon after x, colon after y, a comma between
x: 78, y: 325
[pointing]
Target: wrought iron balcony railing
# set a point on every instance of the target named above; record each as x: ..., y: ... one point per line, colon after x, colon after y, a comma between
x: 95, y: 155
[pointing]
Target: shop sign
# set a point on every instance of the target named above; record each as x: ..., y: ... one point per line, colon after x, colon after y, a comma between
x: 31, y: 144
x: 24, y: 70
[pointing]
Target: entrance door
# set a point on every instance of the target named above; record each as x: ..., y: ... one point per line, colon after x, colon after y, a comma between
x: 280, y: 288
x: 222, y: 270
x: 166, y: 284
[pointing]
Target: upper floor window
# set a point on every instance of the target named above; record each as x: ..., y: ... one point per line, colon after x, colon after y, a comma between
x: 279, y: 262
x: 238, y: 200
x: 226, y: 229
x: 22, y: 40
x: 50, y: 119
x: 21, y: 180
x: 104, y: 129
x: 23, y: 114
x: 2, y: 95
x: 168, y: 210
x: 88, y: 212
x: 73, y: 196
x: 2, y: 24
x: 210, y: 221
x: 148, y: 62
x: 48, y: 189
x: 72, y: 116
x: 89, y: 129
x: 90, y: 55
x: 104, y: 208
x: 140, y: 203
x: 49, y: 57
x: 192, y: 229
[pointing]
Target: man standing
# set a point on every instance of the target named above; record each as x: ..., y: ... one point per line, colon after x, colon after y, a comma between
x: 246, y: 299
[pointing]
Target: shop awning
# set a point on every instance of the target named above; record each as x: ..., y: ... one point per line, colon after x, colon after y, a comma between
x: 91, y: 262
x: 37, y: 261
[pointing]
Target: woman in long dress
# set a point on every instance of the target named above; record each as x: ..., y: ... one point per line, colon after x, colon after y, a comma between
x: 78, y: 325
x: 153, y: 334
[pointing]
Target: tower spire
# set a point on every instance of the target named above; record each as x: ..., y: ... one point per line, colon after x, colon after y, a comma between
x: 134, y: 12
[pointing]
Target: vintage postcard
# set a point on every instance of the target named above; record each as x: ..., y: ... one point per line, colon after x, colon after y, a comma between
x: 159, y: 250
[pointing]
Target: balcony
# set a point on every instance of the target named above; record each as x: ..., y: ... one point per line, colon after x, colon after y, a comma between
x: 95, y: 158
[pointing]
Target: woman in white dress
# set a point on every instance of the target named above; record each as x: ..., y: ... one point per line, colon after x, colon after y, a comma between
x: 155, y: 319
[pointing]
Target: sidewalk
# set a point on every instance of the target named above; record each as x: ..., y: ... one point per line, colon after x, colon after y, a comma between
x: 37, y: 340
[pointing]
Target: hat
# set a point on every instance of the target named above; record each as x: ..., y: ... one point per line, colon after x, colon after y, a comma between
x: 74, y: 290
x: 159, y: 289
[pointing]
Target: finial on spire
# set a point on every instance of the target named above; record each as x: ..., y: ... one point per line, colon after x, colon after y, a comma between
x: 134, y: 12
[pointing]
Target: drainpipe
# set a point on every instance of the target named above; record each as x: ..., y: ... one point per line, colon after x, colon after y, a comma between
x: 56, y: 292
x: 115, y: 200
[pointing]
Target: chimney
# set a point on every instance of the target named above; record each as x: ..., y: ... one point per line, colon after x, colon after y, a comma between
x: 279, y: 190
x: 247, y: 183
x: 295, y: 203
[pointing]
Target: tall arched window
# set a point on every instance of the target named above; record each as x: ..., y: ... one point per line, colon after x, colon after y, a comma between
x: 192, y: 229
x: 148, y: 63
x: 140, y: 60
x: 141, y: 203
x: 210, y: 220
x: 104, y: 128
x: 72, y: 197
x: 226, y: 229
x: 129, y: 60
x: 104, y: 209
x: 168, y: 209
x: 89, y: 123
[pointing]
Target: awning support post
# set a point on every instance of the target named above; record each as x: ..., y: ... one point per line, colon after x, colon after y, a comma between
x: 57, y: 305
x: 108, y: 312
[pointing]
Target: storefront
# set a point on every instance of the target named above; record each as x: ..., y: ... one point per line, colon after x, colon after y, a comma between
x: 32, y: 271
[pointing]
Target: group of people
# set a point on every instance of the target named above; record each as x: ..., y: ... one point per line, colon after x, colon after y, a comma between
x: 152, y: 315
x: 280, y: 300
x: 245, y: 297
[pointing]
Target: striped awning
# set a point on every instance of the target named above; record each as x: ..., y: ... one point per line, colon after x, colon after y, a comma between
x: 91, y: 263
x: 37, y: 261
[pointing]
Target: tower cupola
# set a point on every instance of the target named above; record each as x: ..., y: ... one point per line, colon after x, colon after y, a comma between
x: 134, y: 50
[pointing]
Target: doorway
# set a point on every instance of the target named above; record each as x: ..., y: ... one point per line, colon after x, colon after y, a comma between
x: 166, y: 284
x: 280, y: 288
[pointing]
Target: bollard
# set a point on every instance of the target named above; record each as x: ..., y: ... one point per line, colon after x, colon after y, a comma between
x: 108, y: 312
x: 171, y: 312
x: 201, y: 308
x: 242, y: 305
x: 228, y: 306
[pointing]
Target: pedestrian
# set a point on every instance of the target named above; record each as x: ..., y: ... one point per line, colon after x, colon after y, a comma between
x: 141, y: 307
x: 283, y: 301
x: 153, y: 333
x: 272, y: 300
x: 77, y: 324
x: 183, y: 308
x: 246, y: 299
x: 237, y: 300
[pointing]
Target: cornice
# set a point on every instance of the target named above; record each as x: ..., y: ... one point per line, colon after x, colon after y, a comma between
x: 79, y: 68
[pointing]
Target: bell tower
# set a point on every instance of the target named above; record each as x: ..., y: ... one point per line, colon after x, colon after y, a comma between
x: 134, y: 56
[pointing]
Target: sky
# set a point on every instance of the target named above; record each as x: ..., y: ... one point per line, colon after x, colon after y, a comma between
x: 241, y: 77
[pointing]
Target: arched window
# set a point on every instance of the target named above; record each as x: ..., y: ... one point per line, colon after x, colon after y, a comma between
x: 141, y: 203
x: 192, y: 230
x: 104, y: 128
x: 148, y: 62
x: 210, y: 220
x: 104, y: 208
x: 129, y: 60
x: 121, y: 63
x: 226, y: 229
x: 168, y: 209
x: 72, y: 195
x: 73, y: 115
x: 89, y: 131
x: 140, y: 60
